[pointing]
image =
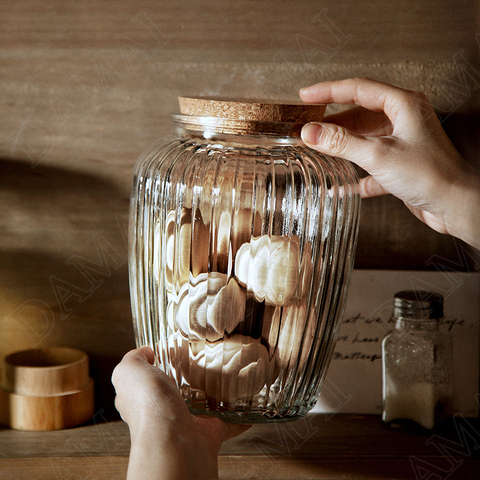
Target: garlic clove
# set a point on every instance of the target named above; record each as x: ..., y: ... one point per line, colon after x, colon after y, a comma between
x: 190, y: 309
x: 269, y: 268
x: 229, y: 371
x: 294, y: 336
x: 182, y: 253
x: 251, y: 266
x: 209, y: 307
x: 228, y: 308
x: 283, y: 271
x: 242, y: 260
x: 176, y: 356
x: 200, y: 243
x: 177, y: 254
x: 223, y: 235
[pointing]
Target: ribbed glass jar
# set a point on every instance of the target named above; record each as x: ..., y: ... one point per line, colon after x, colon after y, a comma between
x: 242, y: 242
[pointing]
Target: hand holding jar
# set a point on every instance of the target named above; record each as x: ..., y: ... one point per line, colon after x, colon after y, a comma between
x: 166, y: 440
x: 395, y: 135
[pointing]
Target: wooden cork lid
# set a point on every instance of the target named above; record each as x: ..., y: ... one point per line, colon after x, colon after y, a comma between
x: 252, y: 111
x: 249, y: 116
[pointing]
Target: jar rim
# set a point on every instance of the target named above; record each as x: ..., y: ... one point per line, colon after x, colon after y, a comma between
x: 237, y: 127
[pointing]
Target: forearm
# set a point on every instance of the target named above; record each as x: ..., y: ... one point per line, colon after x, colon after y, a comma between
x: 463, y: 220
x: 167, y: 441
x: 178, y: 457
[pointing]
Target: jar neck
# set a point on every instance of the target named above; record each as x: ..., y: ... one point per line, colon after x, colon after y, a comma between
x: 417, y: 324
x: 246, y: 132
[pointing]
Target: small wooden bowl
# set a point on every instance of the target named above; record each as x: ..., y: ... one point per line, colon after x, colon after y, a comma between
x: 46, y: 389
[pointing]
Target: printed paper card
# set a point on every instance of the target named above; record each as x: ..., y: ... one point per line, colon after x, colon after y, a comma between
x: 354, y: 380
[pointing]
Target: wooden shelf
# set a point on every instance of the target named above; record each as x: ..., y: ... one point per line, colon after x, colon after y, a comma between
x: 319, y: 446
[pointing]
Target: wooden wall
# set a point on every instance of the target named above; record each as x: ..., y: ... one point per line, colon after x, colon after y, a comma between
x: 86, y: 85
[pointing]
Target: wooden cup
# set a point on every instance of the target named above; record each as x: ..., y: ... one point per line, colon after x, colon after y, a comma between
x: 46, y: 389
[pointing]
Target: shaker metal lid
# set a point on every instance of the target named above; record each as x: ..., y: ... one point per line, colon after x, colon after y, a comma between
x: 252, y: 110
x: 418, y: 304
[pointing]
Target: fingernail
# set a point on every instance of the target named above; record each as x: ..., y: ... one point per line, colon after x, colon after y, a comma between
x: 303, y: 90
x: 311, y: 133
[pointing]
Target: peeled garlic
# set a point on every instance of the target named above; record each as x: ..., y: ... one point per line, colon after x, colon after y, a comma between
x: 176, y: 251
x: 209, y: 307
x: 229, y: 371
x: 294, y: 337
x: 269, y: 267
x: 223, y: 236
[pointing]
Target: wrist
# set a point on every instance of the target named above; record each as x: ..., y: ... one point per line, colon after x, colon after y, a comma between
x: 167, y: 452
x: 464, y: 217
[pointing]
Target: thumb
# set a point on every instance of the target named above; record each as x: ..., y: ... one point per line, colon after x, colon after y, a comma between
x: 337, y: 141
x: 146, y: 353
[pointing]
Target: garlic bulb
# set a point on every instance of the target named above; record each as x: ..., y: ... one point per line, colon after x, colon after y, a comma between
x: 269, y: 267
x: 209, y: 307
x: 229, y: 371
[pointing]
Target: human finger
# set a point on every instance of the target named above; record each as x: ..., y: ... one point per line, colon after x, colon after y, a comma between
x: 362, y: 121
x: 364, y: 92
x: 369, y: 187
x: 397, y: 103
x: 144, y: 391
x: 337, y: 141
x: 134, y: 359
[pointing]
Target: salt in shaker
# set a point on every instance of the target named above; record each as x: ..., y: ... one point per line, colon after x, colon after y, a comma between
x: 417, y: 362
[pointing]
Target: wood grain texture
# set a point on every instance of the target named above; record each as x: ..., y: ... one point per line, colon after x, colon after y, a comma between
x: 319, y: 446
x: 86, y: 86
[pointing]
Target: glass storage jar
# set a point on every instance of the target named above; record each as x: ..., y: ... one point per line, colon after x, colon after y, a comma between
x: 242, y: 242
x: 417, y: 362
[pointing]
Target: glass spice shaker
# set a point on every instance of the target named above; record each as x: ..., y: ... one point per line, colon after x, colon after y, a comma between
x: 417, y: 362
x: 242, y: 242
